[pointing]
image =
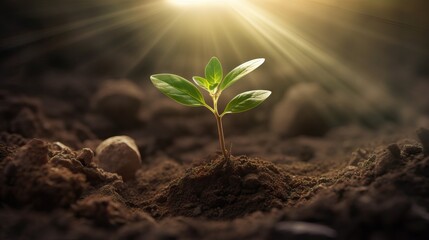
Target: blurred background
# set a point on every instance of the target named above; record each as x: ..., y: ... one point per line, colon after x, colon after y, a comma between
x: 328, y: 62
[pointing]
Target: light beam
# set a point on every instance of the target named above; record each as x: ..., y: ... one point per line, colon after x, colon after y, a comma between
x: 201, y: 3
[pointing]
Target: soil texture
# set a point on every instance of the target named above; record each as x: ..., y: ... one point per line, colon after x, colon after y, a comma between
x: 351, y: 183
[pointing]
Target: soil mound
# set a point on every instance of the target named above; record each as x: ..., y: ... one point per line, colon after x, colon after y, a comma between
x: 227, y: 189
x: 46, y: 176
x: 27, y: 179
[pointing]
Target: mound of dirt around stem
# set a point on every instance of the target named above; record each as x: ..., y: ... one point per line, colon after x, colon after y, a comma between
x: 227, y: 189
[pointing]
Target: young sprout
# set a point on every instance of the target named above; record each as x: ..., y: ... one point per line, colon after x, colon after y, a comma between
x: 184, y: 92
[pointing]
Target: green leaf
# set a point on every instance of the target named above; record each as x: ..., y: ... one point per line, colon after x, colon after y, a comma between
x: 202, y: 82
x: 240, y: 72
x: 178, y: 89
x: 246, y: 101
x: 214, y: 72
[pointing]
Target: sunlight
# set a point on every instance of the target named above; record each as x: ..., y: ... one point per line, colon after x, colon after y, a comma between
x: 293, y: 35
x: 193, y: 3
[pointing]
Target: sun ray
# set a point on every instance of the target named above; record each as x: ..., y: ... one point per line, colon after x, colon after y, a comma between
x: 87, y: 28
x: 303, y: 36
x: 30, y: 37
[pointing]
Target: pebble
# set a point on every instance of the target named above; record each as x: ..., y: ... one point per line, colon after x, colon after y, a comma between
x: 251, y: 181
x: 302, y: 230
x: 387, y: 159
x: 412, y: 149
x: 119, y: 101
x: 119, y: 155
x: 394, y: 150
x: 61, y: 148
x: 197, y: 211
x: 358, y: 156
x: 85, y: 156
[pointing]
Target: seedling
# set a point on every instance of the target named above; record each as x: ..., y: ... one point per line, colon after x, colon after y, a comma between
x: 186, y: 93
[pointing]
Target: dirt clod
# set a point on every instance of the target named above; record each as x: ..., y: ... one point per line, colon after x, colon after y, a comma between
x: 35, y: 152
x: 31, y: 181
x: 105, y: 211
x: 306, y: 106
x: 85, y: 156
x: 119, y: 101
x: 410, y: 149
x: 394, y: 150
x: 387, y: 159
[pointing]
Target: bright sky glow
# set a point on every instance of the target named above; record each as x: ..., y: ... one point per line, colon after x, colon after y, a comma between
x: 193, y: 3
x: 293, y: 35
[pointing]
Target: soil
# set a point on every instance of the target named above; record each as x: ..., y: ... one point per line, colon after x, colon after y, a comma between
x: 352, y: 183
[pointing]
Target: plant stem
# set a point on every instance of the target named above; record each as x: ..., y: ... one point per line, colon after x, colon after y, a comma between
x: 220, y: 128
x: 221, y: 136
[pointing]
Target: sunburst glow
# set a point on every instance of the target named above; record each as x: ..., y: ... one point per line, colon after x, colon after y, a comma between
x: 193, y: 3
x: 302, y: 40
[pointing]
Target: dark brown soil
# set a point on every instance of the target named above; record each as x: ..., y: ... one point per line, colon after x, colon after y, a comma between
x: 350, y: 184
x: 227, y: 189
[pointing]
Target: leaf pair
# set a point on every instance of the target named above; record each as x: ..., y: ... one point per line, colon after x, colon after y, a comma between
x: 184, y: 92
x: 214, y: 75
x: 214, y: 82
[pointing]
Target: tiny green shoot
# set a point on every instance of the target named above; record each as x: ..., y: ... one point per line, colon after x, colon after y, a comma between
x: 184, y: 92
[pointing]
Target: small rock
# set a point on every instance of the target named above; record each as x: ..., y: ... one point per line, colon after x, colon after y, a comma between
x: 119, y: 155
x: 119, y: 101
x: 394, y: 150
x: 412, y: 149
x: 423, y: 135
x: 251, y: 181
x: 358, y: 156
x: 60, y: 147
x: 72, y: 165
x: 302, y: 231
x: 85, y: 156
x: 387, y: 159
x: 197, y: 211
